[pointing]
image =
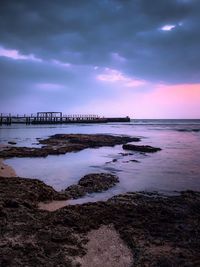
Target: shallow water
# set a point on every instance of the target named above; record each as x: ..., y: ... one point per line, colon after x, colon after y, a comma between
x: 176, y: 167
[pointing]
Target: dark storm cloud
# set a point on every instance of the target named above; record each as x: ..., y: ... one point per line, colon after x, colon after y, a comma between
x: 125, y: 36
x: 87, y: 32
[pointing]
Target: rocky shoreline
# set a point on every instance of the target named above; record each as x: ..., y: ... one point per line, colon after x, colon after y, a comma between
x: 157, y: 230
x: 64, y: 143
x: 133, y: 229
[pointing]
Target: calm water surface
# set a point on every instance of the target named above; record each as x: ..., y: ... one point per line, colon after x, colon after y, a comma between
x: 175, y: 168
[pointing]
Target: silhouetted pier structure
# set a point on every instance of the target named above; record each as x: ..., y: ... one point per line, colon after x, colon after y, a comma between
x: 55, y: 118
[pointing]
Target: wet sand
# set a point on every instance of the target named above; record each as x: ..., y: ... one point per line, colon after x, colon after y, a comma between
x: 5, y: 170
x: 53, y: 205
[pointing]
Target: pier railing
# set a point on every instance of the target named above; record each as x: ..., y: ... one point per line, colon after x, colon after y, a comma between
x: 53, y: 118
x: 8, y: 118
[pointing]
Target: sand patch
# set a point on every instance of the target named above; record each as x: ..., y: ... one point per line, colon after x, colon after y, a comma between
x: 53, y: 205
x: 106, y: 248
x: 6, y: 171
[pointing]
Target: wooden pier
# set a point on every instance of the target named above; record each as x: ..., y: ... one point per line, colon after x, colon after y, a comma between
x: 55, y: 118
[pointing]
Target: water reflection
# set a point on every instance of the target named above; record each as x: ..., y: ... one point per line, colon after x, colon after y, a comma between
x: 176, y: 167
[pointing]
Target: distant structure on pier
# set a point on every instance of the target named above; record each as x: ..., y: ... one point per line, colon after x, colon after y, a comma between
x: 56, y: 118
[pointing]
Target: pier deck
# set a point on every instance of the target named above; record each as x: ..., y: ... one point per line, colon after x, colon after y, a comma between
x: 56, y: 118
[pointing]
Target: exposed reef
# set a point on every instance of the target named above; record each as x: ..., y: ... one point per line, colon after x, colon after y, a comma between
x: 95, y: 182
x: 12, y: 143
x: 145, y: 149
x: 25, y: 189
x: 159, y: 231
x: 64, y: 143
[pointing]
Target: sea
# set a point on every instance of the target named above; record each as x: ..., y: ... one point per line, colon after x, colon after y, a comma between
x: 173, y: 169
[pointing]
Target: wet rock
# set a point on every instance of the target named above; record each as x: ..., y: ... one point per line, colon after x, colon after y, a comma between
x: 160, y: 231
x: 95, y: 182
x: 28, y: 190
x: 145, y: 149
x: 11, y: 203
x: 88, y: 140
x: 141, y: 220
x: 75, y: 191
x: 65, y: 143
x: 189, y: 130
x: 126, y: 154
x: 134, y: 160
x: 12, y: 143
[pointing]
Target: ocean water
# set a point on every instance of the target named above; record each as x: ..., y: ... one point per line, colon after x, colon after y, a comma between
x: 175, y: 168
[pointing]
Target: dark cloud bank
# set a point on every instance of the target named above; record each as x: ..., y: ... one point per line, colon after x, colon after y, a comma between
x: 119, y: 34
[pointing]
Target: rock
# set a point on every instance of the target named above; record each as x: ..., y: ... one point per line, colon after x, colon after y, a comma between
x: 12, y: 143
x: 65, y: 143
x: 134, y: 160
x: 11, y: 203
x: 95, y: 182
x: 146, y: 149
x: 30, y: 190
x: 75, y: 191
x: 98, y: 181
x: 160, y: 231
x: 126, y: 154
x: 88, y: 140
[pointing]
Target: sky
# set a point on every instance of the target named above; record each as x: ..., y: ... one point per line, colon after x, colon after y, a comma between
x: 136, y: 58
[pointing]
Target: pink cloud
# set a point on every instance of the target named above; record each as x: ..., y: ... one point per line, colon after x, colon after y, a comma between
x: 115, y: 76
x: 14, y: 54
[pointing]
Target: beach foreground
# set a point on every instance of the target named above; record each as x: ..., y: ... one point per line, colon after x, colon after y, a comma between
x: 133, y: 229
x: 40, y: 226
